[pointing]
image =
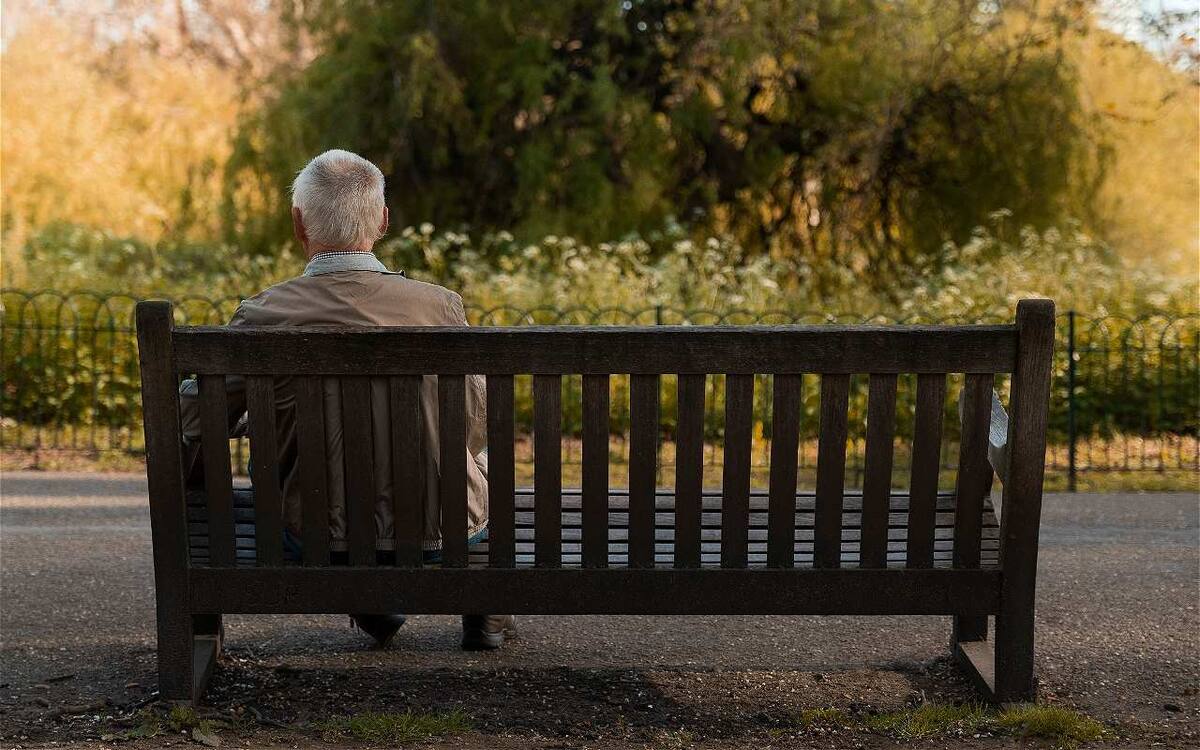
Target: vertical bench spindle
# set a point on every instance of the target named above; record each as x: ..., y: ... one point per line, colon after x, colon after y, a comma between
x: 547, y: 470
x: 359, y: 470
x: 643, y: 455
x: 595, y: 471
x: 785, y: 442
x: 264, y: 470
x: 313, y: 474
x: 501, y: 485
x: 689, y: 470
x: 973, y: 481
x: 926, y: 461
x: 831, y: 470
x: 877, y: 478
x: 408, y: 469
x: 218, y: 477
x: 735, y: 482
x: 452, y: 468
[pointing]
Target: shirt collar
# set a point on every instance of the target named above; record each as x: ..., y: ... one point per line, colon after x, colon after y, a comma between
x: 341, y: 260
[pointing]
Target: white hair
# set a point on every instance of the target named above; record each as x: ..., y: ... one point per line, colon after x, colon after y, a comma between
x: 340, y: 197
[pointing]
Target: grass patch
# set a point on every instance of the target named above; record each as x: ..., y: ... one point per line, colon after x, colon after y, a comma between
x: 1061, y: 726
x: 929, y: 720
x: 823, y: 717
x: 1056, y: 723
x: 396, y: 727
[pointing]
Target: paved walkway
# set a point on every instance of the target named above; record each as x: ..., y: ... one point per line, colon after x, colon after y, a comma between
x: 1118, y: 630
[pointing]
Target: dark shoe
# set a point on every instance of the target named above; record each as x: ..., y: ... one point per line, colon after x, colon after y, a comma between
x: 487, y: 632
x: 380, y: 627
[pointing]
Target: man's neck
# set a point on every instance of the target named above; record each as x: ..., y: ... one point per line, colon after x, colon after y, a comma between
x: 339, y: 250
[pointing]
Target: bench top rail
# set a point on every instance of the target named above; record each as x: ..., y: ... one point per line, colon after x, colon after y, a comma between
x: 595, y: 350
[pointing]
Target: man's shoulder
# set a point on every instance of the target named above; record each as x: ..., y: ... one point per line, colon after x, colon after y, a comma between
x: 329, y: 296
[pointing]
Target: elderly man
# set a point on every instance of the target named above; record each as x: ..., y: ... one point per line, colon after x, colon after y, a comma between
x: 338, y: 214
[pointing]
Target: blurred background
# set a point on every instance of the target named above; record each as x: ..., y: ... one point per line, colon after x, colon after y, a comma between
x: 609, y: 161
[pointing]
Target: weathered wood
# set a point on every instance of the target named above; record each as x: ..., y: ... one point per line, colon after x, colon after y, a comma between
x: 1015, y: 678
x: 972, y: 483
x: 785, y: 444
x: 358, y: 443
x: 501, y: 485
x: 218, y: 477
x: 595, y: 471
x: 264, y: 469
x: 735, y: 482
x: 547, y: 467
x: 662, y: 591
x: 452, y: 468
x: 168, y: 519
x: 689, y: 470
x: 603, y: 550
x: 408, y: 468
x: 313, y: 473
x: 877, y: 476
x: 831, y: 468
x: 977, y: 661
x: 597, y: 349
x: 926, y: 462
x: 643, y: 455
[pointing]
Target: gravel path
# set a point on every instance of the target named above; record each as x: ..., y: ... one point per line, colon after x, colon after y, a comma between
x: 1118, y: 637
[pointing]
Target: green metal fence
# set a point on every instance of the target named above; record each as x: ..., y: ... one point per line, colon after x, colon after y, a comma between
x: 1126, y: 393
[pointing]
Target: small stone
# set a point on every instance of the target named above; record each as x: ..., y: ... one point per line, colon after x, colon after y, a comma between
x: 1172, y: 707
x: 208, y: 739
x: 42, y: 702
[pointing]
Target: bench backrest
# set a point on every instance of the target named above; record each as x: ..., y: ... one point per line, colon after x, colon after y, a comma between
x: 404, y: 355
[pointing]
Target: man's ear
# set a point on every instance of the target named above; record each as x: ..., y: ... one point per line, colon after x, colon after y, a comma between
x: 298, y: 228
x: 384, y: 226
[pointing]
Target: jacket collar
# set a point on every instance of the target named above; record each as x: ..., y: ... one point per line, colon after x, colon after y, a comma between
x: 334, y: 262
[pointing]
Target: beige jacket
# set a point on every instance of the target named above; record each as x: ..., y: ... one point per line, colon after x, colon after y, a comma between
x: 360, y: 298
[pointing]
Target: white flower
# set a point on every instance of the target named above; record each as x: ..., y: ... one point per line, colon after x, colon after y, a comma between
x: 426, y: 229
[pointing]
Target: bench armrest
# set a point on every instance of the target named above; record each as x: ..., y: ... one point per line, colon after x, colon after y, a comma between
x: 997, y: 435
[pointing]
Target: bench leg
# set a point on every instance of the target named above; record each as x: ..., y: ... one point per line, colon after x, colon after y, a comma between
x: 175, y: 658
x: 188, y: 647
x: 1015, y: 679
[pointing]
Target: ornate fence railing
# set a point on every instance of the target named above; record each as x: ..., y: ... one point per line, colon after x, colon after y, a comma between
x: 1126, y: 392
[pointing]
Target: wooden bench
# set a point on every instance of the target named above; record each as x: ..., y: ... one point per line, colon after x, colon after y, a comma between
x: 650, y: 550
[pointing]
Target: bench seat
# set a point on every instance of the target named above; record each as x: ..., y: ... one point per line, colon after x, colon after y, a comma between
x: 618, y: 532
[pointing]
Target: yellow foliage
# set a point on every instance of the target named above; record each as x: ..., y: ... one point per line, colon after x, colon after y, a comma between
x: 121, y: 139
x: 1149, y: 206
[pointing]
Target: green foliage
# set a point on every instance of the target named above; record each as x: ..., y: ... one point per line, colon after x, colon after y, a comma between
x: 1055, y: 723
x: 399, y: 728
x: 859, y: 135
x: 1061, y: 726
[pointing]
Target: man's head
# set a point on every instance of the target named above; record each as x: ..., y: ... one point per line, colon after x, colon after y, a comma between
x: 337, y: 203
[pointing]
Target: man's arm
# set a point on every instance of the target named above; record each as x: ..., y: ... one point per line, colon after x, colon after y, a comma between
x: 235, y: 395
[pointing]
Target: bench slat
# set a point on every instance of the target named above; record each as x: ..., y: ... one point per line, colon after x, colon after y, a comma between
x: 359, y: 462
x: 785, y: 445
x: 594, y: 471
x: 547, y: 468
x: 597, y: 350
x: 972, y: 484
x: 877, y: 477
x: 501, y: 484
x: 643, y: 460
x: 452, y: 468
x: 831, y: 468
x: 689, y: 469
x: 313, y: 473
x: 218, y: 476
x: 735, y: 482
x: 264, y: 469
x: 926, y: 461
x: 408, y: 468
